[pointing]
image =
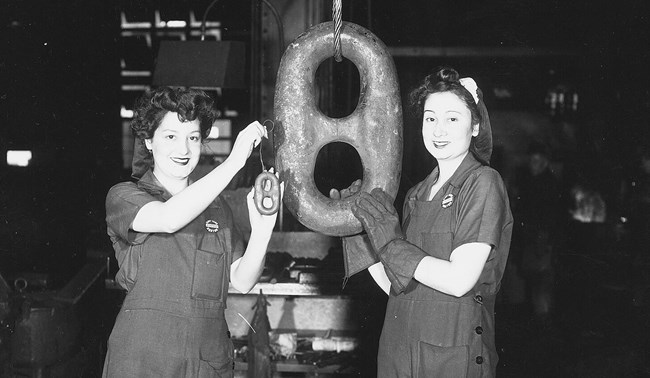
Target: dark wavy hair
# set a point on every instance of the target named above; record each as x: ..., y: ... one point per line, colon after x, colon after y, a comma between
x: 190, y: 104
x: 446, y: 79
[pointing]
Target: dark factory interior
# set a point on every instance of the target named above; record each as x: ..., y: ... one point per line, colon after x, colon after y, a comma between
x: 564, y: 79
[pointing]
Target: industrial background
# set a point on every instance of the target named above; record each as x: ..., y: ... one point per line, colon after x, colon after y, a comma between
x: 573, y: 74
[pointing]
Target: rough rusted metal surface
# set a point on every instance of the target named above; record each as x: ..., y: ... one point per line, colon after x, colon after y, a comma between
x: 374, y: 129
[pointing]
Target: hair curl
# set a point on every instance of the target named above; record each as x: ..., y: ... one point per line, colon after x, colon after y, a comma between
x: 190, y: 104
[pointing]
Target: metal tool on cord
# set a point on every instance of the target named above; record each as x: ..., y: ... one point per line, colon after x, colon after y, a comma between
x: 267, y: 188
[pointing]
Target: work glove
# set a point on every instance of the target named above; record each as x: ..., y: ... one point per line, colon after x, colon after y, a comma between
x: 358, y: 254
x: 381, y: 222
x: 378, y: 217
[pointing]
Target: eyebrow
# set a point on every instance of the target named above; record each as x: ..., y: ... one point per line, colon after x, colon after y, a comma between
x: 176, y: 131
x: 448, y: 111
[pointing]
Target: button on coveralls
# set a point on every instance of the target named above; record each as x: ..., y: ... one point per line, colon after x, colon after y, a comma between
x: 172, y: 321
x: 428, y: 333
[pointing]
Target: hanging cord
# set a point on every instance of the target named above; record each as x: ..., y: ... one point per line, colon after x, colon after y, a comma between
x: 205, y: 15
x: 280, y: 223
x: 268, y: 132
x: 336, y: 16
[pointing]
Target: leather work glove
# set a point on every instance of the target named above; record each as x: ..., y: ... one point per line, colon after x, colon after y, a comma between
x: 381, y: 222
x: 378, y: 217
x: 357, y: 251
x: 358, y: 254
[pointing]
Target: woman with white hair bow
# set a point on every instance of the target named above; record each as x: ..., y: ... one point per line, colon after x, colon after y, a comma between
x: 442, y: 265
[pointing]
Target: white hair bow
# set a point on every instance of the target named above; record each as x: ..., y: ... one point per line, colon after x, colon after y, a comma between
x: 471, y: 86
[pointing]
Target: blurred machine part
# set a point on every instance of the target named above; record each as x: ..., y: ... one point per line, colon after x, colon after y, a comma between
x: 42, y: 330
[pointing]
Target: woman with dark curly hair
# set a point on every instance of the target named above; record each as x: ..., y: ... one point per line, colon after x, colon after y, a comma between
x: 442, y: 265
x: 175, y: 243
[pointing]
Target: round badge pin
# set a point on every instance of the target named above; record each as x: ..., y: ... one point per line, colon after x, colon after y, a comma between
x: 447, y: 200
x: 211, y: 226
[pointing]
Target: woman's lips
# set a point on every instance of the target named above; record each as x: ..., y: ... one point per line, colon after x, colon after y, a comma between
x: 182, y: 161
x: 440, y: 144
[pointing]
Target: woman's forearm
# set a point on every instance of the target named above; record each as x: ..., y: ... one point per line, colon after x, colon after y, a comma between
x: 245, y: 271
x: 379, y: 275
x: 458, y: 275
x: 175, y: 213
x: 440, y: 275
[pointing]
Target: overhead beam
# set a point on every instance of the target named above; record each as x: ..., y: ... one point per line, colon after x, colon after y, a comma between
x: 477, y: 52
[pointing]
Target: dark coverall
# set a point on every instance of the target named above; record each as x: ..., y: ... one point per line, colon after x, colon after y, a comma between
x: 431, y: 334
x: 172, y: 321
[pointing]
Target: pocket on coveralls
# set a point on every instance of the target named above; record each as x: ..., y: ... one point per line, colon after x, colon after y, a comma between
x: 209, y: 275
x: 436, y: 361
x: 222, y: 369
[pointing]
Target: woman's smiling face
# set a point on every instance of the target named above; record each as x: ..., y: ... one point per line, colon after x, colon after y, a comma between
x: 176, y: 147
x: 447, y: 128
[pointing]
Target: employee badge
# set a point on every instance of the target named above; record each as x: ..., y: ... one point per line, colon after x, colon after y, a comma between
x: 211, y: 226
x: 447, y: 201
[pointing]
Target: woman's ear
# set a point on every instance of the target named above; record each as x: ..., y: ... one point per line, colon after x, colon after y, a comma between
x: 475, y: 130
x: 147, y: 143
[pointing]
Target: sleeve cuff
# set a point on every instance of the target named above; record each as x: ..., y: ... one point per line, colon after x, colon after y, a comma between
x: 400, y: 259
x: 358, y: 254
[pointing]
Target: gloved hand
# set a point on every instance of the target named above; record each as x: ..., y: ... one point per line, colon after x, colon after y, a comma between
x: 347, y: 192
x: 357, y: 251
x: 381, y: 222
x: 378, y: 217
